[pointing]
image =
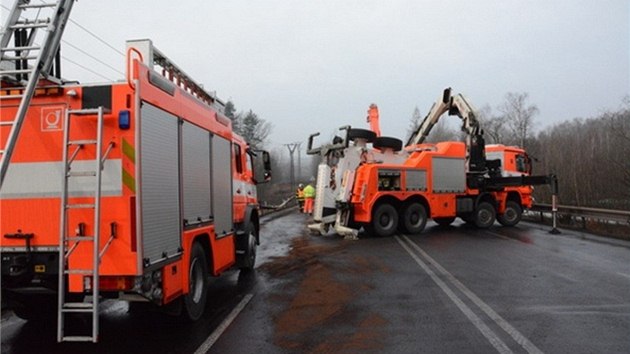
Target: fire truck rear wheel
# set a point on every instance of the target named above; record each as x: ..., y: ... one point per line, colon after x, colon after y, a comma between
x: 512, y: 214
x: 485, y: 215
x: 385, y: 220
x: 414, y: 218
x: 195, y: 300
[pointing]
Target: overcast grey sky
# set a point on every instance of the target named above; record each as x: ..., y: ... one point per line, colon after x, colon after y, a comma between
x: 310, y: 66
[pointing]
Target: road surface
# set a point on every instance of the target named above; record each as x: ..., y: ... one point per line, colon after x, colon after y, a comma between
x: 450, y: 290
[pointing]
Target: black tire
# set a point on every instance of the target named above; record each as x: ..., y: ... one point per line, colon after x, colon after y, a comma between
x: 485, y: 215
x: 195, y: 300
x: 387, y: 142
x: 512, y: 214
x: 247, y: 260
x: 414, y: 218
x: 384, y: 220
x: 444, y: 221
x: 37, y: 307
x: 361, y: 134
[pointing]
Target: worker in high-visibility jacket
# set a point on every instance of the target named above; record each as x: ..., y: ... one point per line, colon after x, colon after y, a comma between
x: 309, y: 197
x: 299, y: 196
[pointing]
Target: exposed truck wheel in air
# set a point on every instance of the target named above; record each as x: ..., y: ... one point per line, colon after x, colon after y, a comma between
x: 385, y: 142
x: 356, y: 133
x: 512, y: 214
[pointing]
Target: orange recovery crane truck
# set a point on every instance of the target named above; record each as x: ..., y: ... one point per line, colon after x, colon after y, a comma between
x: 441, y: 181
x: 136, y: 190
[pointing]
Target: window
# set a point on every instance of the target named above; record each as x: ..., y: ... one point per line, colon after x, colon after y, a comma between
x: 238, y: 158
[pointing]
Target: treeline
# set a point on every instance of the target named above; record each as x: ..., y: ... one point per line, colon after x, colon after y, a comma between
x: 591, y: 158
x: 249, y: 125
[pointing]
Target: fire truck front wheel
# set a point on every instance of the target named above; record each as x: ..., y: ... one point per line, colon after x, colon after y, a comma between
x: 512, y: 214
x: 195, y: 300
x: 414, y: 218
x: 485, y: 215
x: 385, y: 220
x: 248, y: 258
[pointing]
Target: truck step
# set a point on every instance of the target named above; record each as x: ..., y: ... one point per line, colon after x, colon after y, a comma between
x: 79, y: 271
x: 80, y: 206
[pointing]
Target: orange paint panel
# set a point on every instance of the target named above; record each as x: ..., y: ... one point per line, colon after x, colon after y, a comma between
x: 173, y: 281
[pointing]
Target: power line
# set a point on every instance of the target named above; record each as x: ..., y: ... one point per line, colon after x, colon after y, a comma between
x: 93, y: 57
x: 97, y: 37
x: 88, y: 69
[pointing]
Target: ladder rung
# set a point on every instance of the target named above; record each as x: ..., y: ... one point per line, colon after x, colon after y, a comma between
x: 30, y: 25
x: 78, y: 305
x: 29, y: 57
x: 80, y: 206
x: 8, y: 122
x: 35, y: 6
x: 81, y: 142
x: 79, y: 271
x: 76, y: 310
x: 11, y: 72
x: 8, y: 97
x: 80, y: 238
x: 87, y: 111
x: 77, y: 338
x: 82, y: 174
x: 11, y: 49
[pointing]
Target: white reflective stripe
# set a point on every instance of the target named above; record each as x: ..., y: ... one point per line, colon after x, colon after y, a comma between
x: 44, y: 179
x: 247, y: 189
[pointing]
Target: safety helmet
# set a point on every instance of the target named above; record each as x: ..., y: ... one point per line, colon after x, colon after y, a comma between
x: 300, y: 185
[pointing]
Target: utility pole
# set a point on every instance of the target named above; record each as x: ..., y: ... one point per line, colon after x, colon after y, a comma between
x: 292, y: 147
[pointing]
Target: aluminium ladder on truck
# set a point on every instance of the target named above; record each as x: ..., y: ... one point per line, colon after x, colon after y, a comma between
x: 68, y: 243
x: 23, y: 61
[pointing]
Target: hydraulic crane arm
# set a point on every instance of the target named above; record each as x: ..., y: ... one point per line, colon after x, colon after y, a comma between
x: 456, y: 105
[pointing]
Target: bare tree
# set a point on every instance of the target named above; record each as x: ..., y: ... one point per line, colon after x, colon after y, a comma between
x: 414, y: 122
x: 493, y: 126
x: 518, y: 116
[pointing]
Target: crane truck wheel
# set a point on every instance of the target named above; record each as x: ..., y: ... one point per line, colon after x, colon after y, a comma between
x: 444, y: 221
x: 485, y: 215
x: 512, y: 214
x: 361, y: 134
x: 387, y: 142
x: 195, y: 300
x: 414, y: 218
x: 384, y: 220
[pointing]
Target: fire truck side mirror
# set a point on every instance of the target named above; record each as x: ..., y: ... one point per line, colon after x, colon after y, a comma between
x: 262, y: 166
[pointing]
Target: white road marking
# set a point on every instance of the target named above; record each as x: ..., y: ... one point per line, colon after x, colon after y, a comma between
x: 624, y: 275
x: 492, y: 337
x: 214, y: 336
x: 500, y: 321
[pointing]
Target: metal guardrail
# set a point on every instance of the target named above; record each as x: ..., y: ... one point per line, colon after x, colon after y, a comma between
x: 618, y: 216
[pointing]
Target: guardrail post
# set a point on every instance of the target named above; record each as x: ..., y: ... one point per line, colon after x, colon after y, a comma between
x: 554, y: 204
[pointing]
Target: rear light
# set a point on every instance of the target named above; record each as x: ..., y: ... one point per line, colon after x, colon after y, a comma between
x: 111, y: 283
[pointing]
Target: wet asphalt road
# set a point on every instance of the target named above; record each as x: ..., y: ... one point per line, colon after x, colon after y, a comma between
x: 449, y: 290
